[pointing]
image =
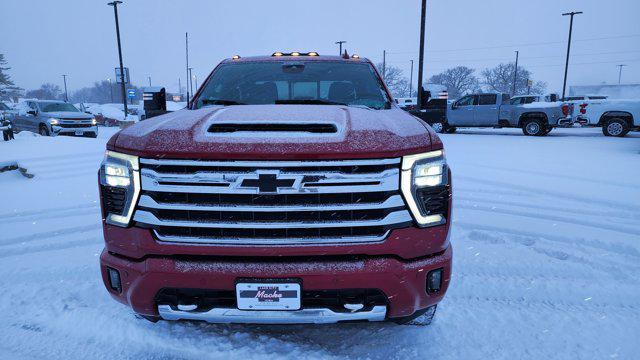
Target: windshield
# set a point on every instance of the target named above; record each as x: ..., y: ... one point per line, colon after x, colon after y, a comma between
x: 55, y: 107
x: 294, y: 82
x: 3, y: 106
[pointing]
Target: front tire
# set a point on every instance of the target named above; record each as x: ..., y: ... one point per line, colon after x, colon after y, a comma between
x: 615, y: 127
x: 450, y: 129
x: 44, y: 130
x: 534, y: 127
x: 438, y: 127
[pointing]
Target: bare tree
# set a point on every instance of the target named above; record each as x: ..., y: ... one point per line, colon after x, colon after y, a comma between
x: 397, y: 83
x: 500, y: 79
x: 459, y: 81
x: 47, y: 91
x: 7, y: 88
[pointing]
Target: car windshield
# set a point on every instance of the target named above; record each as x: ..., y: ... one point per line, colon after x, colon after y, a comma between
x: 3, y: 106
x: 55, y: 107
x: 294, y: 82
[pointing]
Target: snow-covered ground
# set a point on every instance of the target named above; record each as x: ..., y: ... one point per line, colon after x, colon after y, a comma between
x: 546, y: 243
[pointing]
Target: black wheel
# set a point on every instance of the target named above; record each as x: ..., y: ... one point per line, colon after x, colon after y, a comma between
x: 615, y: 127
x: 548, y: 130
x: 438, y: 127
x: 450, y: 129
x: 422, y: 317
x: 153, y: 319
x: 44, y: 131
x: 534, y: 127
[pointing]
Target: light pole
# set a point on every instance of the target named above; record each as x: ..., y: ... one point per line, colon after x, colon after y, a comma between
x: 620, y: 72
x: 122, y: 84
x: 110, y: 90
x: 421, y: 55
x: 186, y: 44
x: 66, y: 96
x: 411, y: 81
x: 566, y: 66
x: 515, y: 75
x: 339, y: 43
x: 384, y: 64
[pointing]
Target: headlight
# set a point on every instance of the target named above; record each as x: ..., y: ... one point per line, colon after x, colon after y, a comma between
x: 119, y: 187
x: 94, y: 121
x: 54, y: 121
x: 425, y: 186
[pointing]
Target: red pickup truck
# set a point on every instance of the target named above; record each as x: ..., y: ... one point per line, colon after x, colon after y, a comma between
x: 291, y: 190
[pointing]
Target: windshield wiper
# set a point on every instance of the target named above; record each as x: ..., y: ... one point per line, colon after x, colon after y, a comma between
x: 309, y: 102
x: 221, y: 102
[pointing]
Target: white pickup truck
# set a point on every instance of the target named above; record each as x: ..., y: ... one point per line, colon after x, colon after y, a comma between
x: 616, y: 117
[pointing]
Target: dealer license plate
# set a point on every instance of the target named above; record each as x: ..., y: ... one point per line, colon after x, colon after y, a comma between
x: 268, y: 296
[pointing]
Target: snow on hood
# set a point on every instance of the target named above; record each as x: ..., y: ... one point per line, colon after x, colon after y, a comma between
x: 362, y: 133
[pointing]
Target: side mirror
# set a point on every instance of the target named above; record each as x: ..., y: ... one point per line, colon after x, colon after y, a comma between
x: 32, y: 112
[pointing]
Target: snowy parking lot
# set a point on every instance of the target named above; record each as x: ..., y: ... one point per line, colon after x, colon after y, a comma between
x: 546, y: 238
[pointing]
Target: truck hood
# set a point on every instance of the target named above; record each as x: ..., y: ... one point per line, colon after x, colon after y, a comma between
x: 73, y: 115
x: 353, y: 133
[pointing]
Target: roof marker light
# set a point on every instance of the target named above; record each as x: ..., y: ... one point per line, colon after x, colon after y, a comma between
x: 355, y: 56
x: 295, y: 53
x: 313, y: 53
x: 235, y: 57
x: 277, y: 54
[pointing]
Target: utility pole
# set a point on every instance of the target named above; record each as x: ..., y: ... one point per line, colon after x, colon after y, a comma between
x: 423, y: 15
x: 566, y: 66
x: 122, y: 84
x: 186, y: 35
x: 66, y: 95
x: 515, y: 76
x: 190, y: 81
x: 339, y: 43
x: 411, y: 81
x: 620, y: 72
x: 110, y: 90
x: 149, y: 80
x: 384, y: 64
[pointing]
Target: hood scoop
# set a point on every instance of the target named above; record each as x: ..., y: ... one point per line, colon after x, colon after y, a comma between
x: 315, y: 128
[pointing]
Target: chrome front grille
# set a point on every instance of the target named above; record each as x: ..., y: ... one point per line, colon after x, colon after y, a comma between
x: 271, y: 202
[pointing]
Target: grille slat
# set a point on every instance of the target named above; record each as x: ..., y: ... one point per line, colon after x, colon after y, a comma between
x: 306, y: 202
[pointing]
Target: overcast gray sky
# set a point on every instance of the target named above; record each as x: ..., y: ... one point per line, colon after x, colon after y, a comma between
x: 43, y: 39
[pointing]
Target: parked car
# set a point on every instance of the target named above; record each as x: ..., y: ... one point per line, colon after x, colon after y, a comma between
x: 434, y: 113
x: 6, y: 125
x: 494, y: 110
x: 528, y: 99
x: 615, y: 117
x: 580, y: 102
x: 52, y: 117
x: 307, y: 197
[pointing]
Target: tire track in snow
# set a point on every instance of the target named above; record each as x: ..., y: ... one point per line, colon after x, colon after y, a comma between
x: 596, y: 244
x: 50, y: 247
x: 46, y: 211
x: 50, y: 234
x: 551, y: 193
x: 60, y: 215
x: 555, y: 218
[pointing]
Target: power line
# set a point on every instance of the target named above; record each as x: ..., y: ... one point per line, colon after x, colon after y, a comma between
x: 519, y: 45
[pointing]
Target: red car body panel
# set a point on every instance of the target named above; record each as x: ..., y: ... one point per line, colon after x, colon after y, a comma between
x: 398, y: 265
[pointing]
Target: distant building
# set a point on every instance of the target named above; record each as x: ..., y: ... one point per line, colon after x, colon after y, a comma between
x: 622, y: 91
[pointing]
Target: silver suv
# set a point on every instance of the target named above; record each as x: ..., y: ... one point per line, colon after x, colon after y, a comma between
x: 50, y: 118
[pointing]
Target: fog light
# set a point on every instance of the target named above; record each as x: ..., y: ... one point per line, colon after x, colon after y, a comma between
x: 434, y: 281
x: 114, y: 279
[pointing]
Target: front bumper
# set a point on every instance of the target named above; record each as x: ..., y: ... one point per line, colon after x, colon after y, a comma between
x: 402, y: 281
x: 80, y: 131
